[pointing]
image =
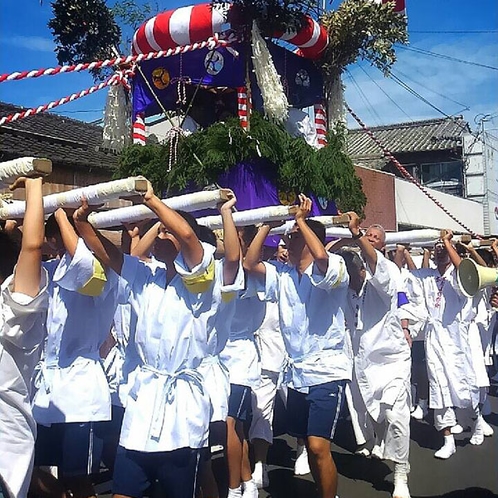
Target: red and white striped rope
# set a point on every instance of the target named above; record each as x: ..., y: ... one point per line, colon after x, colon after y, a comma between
x: 210, y: 43
x: 243, y: 107
x: 113, y: 80
x: 320, y: 125
x: 407, y: 175
x: 139, y: 130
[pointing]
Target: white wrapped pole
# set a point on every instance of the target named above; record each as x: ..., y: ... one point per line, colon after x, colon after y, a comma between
x: 23, y: 166
x: 95, y: 194
x: 251, y: 216
x: 132, y: 214
x: 327, y: 221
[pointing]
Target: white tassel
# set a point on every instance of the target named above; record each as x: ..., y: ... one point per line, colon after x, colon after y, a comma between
x: 116, y: 131
x: 274, y: 98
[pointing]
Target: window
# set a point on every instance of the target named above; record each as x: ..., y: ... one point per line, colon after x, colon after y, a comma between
x: 446, y: 177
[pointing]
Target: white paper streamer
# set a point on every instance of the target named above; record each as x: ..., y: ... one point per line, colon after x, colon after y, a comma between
x: 23, y: 166
x: 132, y: 214
x: 116, y: 130
x: 274, y: 99
x: 250, y: 216
x: 95, y: 194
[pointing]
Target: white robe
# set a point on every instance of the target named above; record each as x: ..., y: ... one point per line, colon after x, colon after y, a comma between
x: 382, y: 359
x: 168, y: 407
x: 71, y: 384
x: 213, y: 369
x: 312, y: 322
x: 240, y: 354
x: 21, y: 335
x: 445, y: 313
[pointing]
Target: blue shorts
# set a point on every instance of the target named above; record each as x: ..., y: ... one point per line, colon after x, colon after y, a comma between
x: 176, y: 471
x: 239, y: 403
x: 315, y: 413
x: 70, y: 446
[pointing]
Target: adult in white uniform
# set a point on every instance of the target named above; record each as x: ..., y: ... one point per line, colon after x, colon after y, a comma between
x: 168, y: 412
x: 436, y: 301
x: 23, y: 306
x: 382, y: 362
x: 312, y: 296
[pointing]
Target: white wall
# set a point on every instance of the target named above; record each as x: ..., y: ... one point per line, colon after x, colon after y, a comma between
x: 414, y: 208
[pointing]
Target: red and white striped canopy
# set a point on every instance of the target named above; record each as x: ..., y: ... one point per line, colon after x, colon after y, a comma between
x: 196, y: 23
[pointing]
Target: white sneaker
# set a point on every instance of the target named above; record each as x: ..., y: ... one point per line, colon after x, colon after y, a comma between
x: 302, y: 466
x: 421, y: 410
x: 477, y: 437
x: 447, y: 449
x: 401, y: 471
x: 486, y: 428
x: 378, y: 451
x: 364, y: 452
x: 260, y: 475
x: 235, y: 492
x: 250, y: 490
x: 456, y: 429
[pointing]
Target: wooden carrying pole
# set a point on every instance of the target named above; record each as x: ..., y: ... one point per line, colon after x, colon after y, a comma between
x: 23, y: 166
x: 133, y: 214
x: 251, y: 216
x: 95, y: 194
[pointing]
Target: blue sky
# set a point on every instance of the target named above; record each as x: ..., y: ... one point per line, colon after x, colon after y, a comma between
x: 457, y: 28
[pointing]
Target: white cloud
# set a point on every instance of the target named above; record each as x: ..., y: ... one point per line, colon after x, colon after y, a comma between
x: 462, y: 84
x: 34, y: 43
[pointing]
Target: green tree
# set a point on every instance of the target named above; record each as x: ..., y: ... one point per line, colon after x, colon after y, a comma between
x: 358, y: 29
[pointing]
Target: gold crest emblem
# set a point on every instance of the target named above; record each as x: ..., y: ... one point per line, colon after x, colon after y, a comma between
x: 160, y: 78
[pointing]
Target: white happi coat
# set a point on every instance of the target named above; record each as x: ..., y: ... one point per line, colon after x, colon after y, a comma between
x: 22, y: 330
x: 213, y: 369
x: 311, y: 309
x: 269, y: 341
x: 168, y: 407
x: 382, y: 359
x: 70, y: 382
x: 241, y: 355
x: 437, y: 302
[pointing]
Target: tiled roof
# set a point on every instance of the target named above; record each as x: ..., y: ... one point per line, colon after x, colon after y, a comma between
x: 65, y: 141
x: 429, y: 135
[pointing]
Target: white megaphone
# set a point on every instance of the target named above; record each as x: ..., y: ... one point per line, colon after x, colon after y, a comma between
x: 473, y: 277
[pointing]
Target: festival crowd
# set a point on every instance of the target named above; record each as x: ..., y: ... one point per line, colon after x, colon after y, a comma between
x: 152, y: 358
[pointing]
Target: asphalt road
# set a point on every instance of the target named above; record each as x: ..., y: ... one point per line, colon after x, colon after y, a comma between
x: 471, y: 473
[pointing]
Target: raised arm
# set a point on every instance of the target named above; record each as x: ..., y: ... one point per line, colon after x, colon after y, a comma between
x: 190, y: 246
x: 144, y: 245
x: 103, y: 249
x: 252, y: 260
x: 68, y: 234
x: 426, y: 258
x: 336, y: 245
x: 452, y: 252
x: 315, y: 246
x: 231, y: 241
x: 473, y: 253
x: 28, y: 268
x: 367, y: 251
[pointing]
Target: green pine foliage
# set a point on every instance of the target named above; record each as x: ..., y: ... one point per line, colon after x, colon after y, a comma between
x: 203, y: 156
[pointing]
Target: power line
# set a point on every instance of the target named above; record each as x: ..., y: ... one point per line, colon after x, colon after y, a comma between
x: 369, y: 106
x: 466, y: 107
x: 385, y: 93
x: 457, y: 32
x: 446, y: 57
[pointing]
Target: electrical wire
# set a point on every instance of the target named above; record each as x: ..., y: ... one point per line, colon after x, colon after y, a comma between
x: 386, y: 94
x: 443, y: 56
x: 456, y: 32
x: 369, y: 106
x: 465, y: 107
